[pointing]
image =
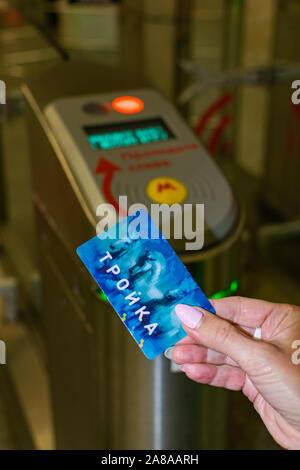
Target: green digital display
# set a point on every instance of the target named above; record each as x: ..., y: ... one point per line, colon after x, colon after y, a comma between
x: 128, y: 134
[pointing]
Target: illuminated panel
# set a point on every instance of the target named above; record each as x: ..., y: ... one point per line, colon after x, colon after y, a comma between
x: 128, y: 134
x: 128, y: 105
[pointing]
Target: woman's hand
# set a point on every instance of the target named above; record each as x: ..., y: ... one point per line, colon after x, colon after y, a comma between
x: 220, y: 350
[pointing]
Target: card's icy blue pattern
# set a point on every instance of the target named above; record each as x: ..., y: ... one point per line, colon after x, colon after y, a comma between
x: 143, y: 279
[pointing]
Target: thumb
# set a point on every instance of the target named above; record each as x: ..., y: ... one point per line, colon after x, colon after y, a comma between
x: 216, y: 333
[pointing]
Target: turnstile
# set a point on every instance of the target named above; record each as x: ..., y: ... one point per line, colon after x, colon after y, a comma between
x: 105, y: 393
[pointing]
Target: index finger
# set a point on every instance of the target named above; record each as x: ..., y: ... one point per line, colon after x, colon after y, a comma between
x: 244, y: 311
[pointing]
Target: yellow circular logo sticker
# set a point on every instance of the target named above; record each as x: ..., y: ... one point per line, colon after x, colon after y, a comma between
x: 166, y: 190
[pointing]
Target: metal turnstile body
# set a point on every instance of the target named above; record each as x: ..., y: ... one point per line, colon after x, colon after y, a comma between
x: 105, y: 393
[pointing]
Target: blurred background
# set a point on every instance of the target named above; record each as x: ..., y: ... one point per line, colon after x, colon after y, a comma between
x: 228, y: 67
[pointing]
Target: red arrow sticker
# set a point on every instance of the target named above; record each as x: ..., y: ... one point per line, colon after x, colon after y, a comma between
x: 108, y: 169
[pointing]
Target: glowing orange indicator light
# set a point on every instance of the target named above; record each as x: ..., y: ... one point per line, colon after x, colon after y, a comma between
x: 128, y: 105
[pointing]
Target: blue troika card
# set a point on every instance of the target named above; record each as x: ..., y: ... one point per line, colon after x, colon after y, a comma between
x: 144, y: 280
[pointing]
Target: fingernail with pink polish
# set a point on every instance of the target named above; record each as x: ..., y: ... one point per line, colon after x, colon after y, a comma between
x: 190, y: 316
x: 183, y: 368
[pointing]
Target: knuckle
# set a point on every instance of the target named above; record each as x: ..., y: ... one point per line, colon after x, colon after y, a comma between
x: 223, y: 332
x: 239, y: 299
x: 241, y: 304
x: 293, y: 310
x: 290, y: 312
x: 178, y: 355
